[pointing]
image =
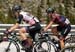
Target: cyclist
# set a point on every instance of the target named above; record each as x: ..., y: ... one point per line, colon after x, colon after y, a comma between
x: 63, y: 27
x: 28, y: 18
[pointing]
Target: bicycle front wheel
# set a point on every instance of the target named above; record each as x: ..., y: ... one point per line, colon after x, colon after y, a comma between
x: 69, y: 49
x: 9, y: 46
x: 43, y: 47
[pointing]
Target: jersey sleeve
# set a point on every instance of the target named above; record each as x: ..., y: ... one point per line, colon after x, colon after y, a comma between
x: 19, y: 19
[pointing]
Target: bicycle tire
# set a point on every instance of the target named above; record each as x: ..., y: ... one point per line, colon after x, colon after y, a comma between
x: 69, y: 41
x: 54, y: 46
x: 49, y: 44
x: 12, y: 43
x: 69, y: 49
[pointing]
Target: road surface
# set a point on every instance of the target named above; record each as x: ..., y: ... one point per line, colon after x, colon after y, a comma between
x: 3, y: 46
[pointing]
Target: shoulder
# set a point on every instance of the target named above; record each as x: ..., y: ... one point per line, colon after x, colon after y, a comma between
x: 23, y: 12
x: 55, y: 15
x: 20, y: 16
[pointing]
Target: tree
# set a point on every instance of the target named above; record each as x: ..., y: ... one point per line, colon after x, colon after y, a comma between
x: 68, y: 11
x: 39, y: 13
x: 49, y: 5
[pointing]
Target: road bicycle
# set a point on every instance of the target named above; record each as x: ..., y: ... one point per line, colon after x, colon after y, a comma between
x: 43, y: 44
x: 70, y: 41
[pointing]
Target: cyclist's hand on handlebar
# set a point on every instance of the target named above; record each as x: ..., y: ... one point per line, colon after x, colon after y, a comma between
x: 43, y: 33
x: 45, y: 29
x: 7, y: 32
x: 42, y: 30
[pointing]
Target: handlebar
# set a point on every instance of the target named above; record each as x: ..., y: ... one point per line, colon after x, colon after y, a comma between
x: 44, y: 34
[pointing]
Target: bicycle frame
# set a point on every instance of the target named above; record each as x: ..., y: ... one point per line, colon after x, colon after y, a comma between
x: 13, y: 39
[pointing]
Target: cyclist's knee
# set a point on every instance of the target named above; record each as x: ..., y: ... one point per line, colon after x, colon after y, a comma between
x: 62, y: 38
x: 22, y: 30
x: 54, y: 31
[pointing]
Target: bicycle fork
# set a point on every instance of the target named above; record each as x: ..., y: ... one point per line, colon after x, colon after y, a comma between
x: 8, y: 48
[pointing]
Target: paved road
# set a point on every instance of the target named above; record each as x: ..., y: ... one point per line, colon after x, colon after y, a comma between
x: 3, y: 46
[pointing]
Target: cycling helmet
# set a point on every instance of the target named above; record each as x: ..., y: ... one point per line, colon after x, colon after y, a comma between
x: 16, y: 8
x: 50, y: 10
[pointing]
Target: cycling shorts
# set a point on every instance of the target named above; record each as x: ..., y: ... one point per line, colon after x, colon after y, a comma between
x: 64, y: 30
x: 32, y: 30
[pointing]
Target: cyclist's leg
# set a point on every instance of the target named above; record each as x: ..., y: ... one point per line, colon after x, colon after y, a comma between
x: 32, y: 31
x: 24, y: 38
x: 67, y: 30
x: 54, y: 31
x: 64, y: 33
x: 62, y: 43
x: 59, y: 29
x: 22, y: 32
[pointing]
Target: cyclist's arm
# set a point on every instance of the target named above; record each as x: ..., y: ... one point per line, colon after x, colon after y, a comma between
x: 49, y: 25
x: 19, y: 19
x: 51, y: 22
x: 13, y: 27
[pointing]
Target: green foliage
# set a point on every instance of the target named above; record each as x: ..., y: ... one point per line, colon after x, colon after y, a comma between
x: 11, y: 19
x: 37, y: 8
x: 61, y: 8
x: 6, y: 18
x: 74, y: 3
x: 68, y: 13
x: 72, y: 20
x: 2, y: 18
x: 39, y: 14
x: 49, y: 5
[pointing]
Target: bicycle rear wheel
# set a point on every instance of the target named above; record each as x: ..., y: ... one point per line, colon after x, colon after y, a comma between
x: 69, y: 49
x: 9, y: 46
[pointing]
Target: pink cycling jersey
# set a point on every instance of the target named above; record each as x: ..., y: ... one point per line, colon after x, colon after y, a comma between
x: 29, y: 17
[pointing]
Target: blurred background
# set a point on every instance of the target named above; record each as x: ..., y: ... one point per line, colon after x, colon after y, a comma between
x: 37, y: 8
